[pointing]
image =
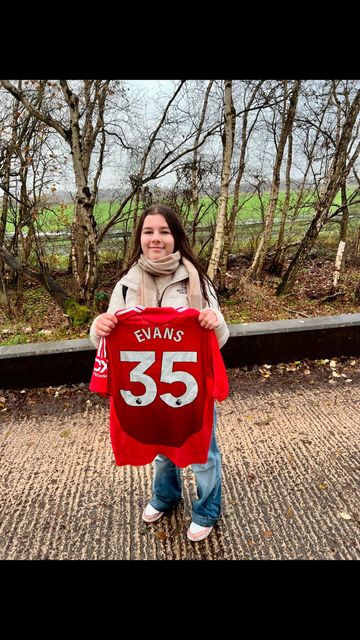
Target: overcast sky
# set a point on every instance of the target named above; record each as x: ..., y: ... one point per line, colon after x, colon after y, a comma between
x: 109, y: 178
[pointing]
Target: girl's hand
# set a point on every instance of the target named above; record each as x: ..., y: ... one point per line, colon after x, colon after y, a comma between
x: 104, y: 324
x: 208, y: 319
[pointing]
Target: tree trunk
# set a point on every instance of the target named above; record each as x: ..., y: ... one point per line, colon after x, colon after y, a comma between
x: 83, y: 248
x: 228, y: 144
x: 338, y: 263
x: 263, y: 245
x: 229, y: 236
x: 277, y: 263
x: 340, y: 254
x: 44, y: 279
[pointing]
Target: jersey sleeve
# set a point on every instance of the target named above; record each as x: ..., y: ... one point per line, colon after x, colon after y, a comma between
x: 221, y: 382
x: 99, y: 380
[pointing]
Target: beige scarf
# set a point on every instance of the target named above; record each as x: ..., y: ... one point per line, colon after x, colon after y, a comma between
x: 147, y: 294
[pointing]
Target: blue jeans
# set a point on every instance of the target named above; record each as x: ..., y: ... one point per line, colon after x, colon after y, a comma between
x: 167, y: 485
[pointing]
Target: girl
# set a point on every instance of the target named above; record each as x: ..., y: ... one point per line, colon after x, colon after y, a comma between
x: 163, y: 271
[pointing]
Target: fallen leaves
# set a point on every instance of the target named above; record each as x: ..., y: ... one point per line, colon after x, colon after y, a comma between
x: 344, y: 515
x: 267, y: 534
x: 263, y: 423
x: 160, y: 535
x: 265, y: 374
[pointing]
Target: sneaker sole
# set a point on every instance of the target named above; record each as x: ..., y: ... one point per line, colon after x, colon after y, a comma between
x: 153, y: 518
x: 193, y: 537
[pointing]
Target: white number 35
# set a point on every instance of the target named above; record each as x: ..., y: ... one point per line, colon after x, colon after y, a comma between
x: 145, y: 360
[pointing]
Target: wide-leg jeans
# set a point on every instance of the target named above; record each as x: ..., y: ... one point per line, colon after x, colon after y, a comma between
x: 167, y: 485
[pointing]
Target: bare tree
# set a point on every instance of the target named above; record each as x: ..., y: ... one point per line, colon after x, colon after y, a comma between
x: 195, y: 165
x: 277, y: 262
x: 85, y: 129
x: 173, y: 137
x: 22, y: 179
x: 286, y: 126
x: 228, y: 145
x: 341, y: 165
x: 245, y: 136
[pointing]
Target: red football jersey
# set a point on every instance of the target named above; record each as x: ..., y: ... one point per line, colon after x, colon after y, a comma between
x: 162, y: 371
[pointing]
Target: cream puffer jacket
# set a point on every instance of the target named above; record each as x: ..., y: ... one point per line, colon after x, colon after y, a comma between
x: 174, y: 295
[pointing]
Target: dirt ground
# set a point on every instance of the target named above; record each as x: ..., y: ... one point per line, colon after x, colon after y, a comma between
x: 41, y: 320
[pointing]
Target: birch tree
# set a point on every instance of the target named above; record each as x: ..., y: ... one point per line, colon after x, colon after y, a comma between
x: 228, y: 145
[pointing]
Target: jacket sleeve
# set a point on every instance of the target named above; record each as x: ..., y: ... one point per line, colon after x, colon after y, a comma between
x: 222, y: 331
x: 116, y: 302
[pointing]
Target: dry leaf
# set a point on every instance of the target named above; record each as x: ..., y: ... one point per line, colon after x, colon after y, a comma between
x: 160, y: 535
x: 323, y: 486
x: 262, y: 423
x: 344, y: 515
x: 265, y: 375
x: 65, y: 433
x: 290, y: 512
x: 267, y: 534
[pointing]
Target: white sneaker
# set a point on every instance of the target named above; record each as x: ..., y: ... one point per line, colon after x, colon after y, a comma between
x: 150, y: 514
x: 196, y: 533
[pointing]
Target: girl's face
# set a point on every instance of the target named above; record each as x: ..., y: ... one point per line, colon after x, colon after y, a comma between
x: 156, y: 238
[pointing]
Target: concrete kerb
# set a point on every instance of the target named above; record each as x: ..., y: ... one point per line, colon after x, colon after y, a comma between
x: 71, y: 361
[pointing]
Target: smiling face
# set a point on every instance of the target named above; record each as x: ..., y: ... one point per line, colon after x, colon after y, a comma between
x: 156, y: 238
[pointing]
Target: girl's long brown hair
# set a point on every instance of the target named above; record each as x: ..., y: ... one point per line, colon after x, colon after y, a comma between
x: 181, y: 243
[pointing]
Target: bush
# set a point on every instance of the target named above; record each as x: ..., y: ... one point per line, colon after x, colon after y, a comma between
x: 78, y: 314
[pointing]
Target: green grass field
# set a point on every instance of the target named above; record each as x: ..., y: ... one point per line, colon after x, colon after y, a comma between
x: 59, y: 217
